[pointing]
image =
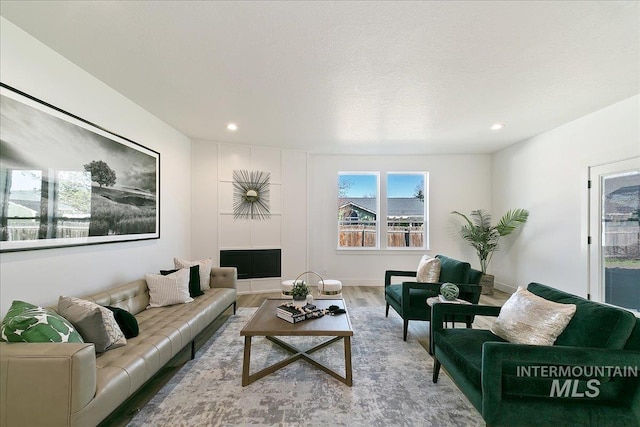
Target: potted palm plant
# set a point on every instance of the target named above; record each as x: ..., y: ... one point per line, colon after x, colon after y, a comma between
x: 484, y: 237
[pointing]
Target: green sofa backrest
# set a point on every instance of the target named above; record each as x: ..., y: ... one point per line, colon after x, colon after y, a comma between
x: 594, y: 324
x: 475, y: 276
x: 453, y: 271
x: 633, y: 343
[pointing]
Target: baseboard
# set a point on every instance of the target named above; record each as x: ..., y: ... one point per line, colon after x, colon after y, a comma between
x: 362, y: 282
x: 504, y: 287
x: 345, y: 282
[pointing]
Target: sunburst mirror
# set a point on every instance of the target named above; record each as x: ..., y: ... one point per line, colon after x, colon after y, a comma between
x: 251, y: 194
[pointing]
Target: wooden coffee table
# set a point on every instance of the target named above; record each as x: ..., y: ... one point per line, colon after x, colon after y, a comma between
x: 265, y: 323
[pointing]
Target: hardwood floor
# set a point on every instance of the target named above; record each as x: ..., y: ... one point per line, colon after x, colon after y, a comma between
x: 373, y: 296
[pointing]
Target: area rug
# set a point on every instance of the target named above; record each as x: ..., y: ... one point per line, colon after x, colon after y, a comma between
x: 391, y: 383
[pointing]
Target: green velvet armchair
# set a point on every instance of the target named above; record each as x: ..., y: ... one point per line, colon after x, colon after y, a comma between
x: 516, y: 384
x: 409, y: 299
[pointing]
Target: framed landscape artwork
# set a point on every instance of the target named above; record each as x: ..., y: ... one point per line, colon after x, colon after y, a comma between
x: 67, y: 182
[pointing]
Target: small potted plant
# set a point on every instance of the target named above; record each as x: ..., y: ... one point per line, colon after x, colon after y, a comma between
x: 299, y: 292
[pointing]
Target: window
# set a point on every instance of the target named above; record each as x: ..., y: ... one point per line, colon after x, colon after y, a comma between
x: 360, y: 207
x: 406, y: 210
x: 38, y: 204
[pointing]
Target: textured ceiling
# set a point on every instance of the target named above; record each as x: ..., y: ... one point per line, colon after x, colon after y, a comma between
x: 352, y: 77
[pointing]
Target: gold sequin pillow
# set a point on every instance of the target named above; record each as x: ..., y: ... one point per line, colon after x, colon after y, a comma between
x: 526, y: 318
x: 428, y: 270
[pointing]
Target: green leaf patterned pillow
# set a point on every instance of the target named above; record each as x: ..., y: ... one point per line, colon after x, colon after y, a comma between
x: 26, y: 322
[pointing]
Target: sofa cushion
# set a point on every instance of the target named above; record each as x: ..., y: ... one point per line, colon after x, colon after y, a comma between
x: 428, y: 270
x: 26, y: 322
x: 464, y: 348
x: 194, y: 280
x: 126, y: 321
x: 95, y: 323
x: 453, y: 271
x: 526, y: 318
x: 593, y: 325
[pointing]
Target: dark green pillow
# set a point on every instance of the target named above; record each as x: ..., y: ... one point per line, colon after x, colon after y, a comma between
x: 127, y: 322
x: 194, y: 280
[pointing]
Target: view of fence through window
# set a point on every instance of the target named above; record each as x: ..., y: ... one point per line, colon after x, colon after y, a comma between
x: 405, y: 210
x: 359, y: 205
x: 357, y: 210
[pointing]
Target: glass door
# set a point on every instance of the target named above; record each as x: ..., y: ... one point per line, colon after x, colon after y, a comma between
x: 614, y: 230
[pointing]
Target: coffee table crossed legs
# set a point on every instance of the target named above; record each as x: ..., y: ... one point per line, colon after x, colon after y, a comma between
x: 297, y: 353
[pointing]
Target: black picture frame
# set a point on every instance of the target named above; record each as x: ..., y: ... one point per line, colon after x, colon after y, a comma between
x: 65, y: 181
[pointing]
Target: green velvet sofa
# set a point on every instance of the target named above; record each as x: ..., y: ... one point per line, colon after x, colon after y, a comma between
x: 409, y: 299
x: 589, y: 377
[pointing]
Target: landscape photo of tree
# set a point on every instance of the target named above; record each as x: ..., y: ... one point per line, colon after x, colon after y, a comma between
x: 65, y: 181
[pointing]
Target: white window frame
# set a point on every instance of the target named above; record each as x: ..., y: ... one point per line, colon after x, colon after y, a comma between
x: 377, y: 221
x: 425, y: 237
x: 381, y: 209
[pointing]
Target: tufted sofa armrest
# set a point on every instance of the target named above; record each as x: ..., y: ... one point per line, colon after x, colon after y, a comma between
x: 59, y: 380
x: 224, y: 277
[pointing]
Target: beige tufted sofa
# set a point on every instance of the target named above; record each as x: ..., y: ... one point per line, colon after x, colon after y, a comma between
x: 68, y: 385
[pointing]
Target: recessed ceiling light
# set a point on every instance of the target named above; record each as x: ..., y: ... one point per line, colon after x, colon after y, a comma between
x: 497, y: 126
x: 232, y: 127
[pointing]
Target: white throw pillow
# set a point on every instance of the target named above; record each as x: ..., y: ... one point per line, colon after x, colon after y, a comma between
x: 526, y: 318
x: 428, y: 270
x: 168, y: 290
x: 205, y: 269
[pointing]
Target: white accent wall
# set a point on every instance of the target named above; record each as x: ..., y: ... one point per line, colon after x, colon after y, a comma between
x: 41, y: 276
x: 214, y: 226
x: 457, y: 182
x: 548, y: 175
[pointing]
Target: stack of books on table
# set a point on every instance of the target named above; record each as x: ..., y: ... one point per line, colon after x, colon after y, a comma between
x: 293, y: 314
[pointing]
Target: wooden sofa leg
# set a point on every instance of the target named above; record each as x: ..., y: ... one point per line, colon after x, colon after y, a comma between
x: 436, y: 369
x: 406, y: 327
x: 234, y: 307
x: 386, y: 313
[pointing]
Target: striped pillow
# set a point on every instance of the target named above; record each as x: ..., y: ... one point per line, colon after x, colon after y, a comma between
x: 168, y: 290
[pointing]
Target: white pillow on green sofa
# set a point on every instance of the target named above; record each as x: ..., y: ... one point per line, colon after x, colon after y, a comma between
x: 526, y: 318
x: 428, y: 270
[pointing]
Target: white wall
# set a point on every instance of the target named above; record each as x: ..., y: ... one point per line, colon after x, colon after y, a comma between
x: 41, y: 276
x: 214, y: 227
x: 461, y: 182
x: 548, y: 175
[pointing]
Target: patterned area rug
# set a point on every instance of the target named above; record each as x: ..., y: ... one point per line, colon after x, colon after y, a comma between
x: 391, y: 383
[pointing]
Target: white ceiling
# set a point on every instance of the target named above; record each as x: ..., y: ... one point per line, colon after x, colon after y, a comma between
x: 352, y: 77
